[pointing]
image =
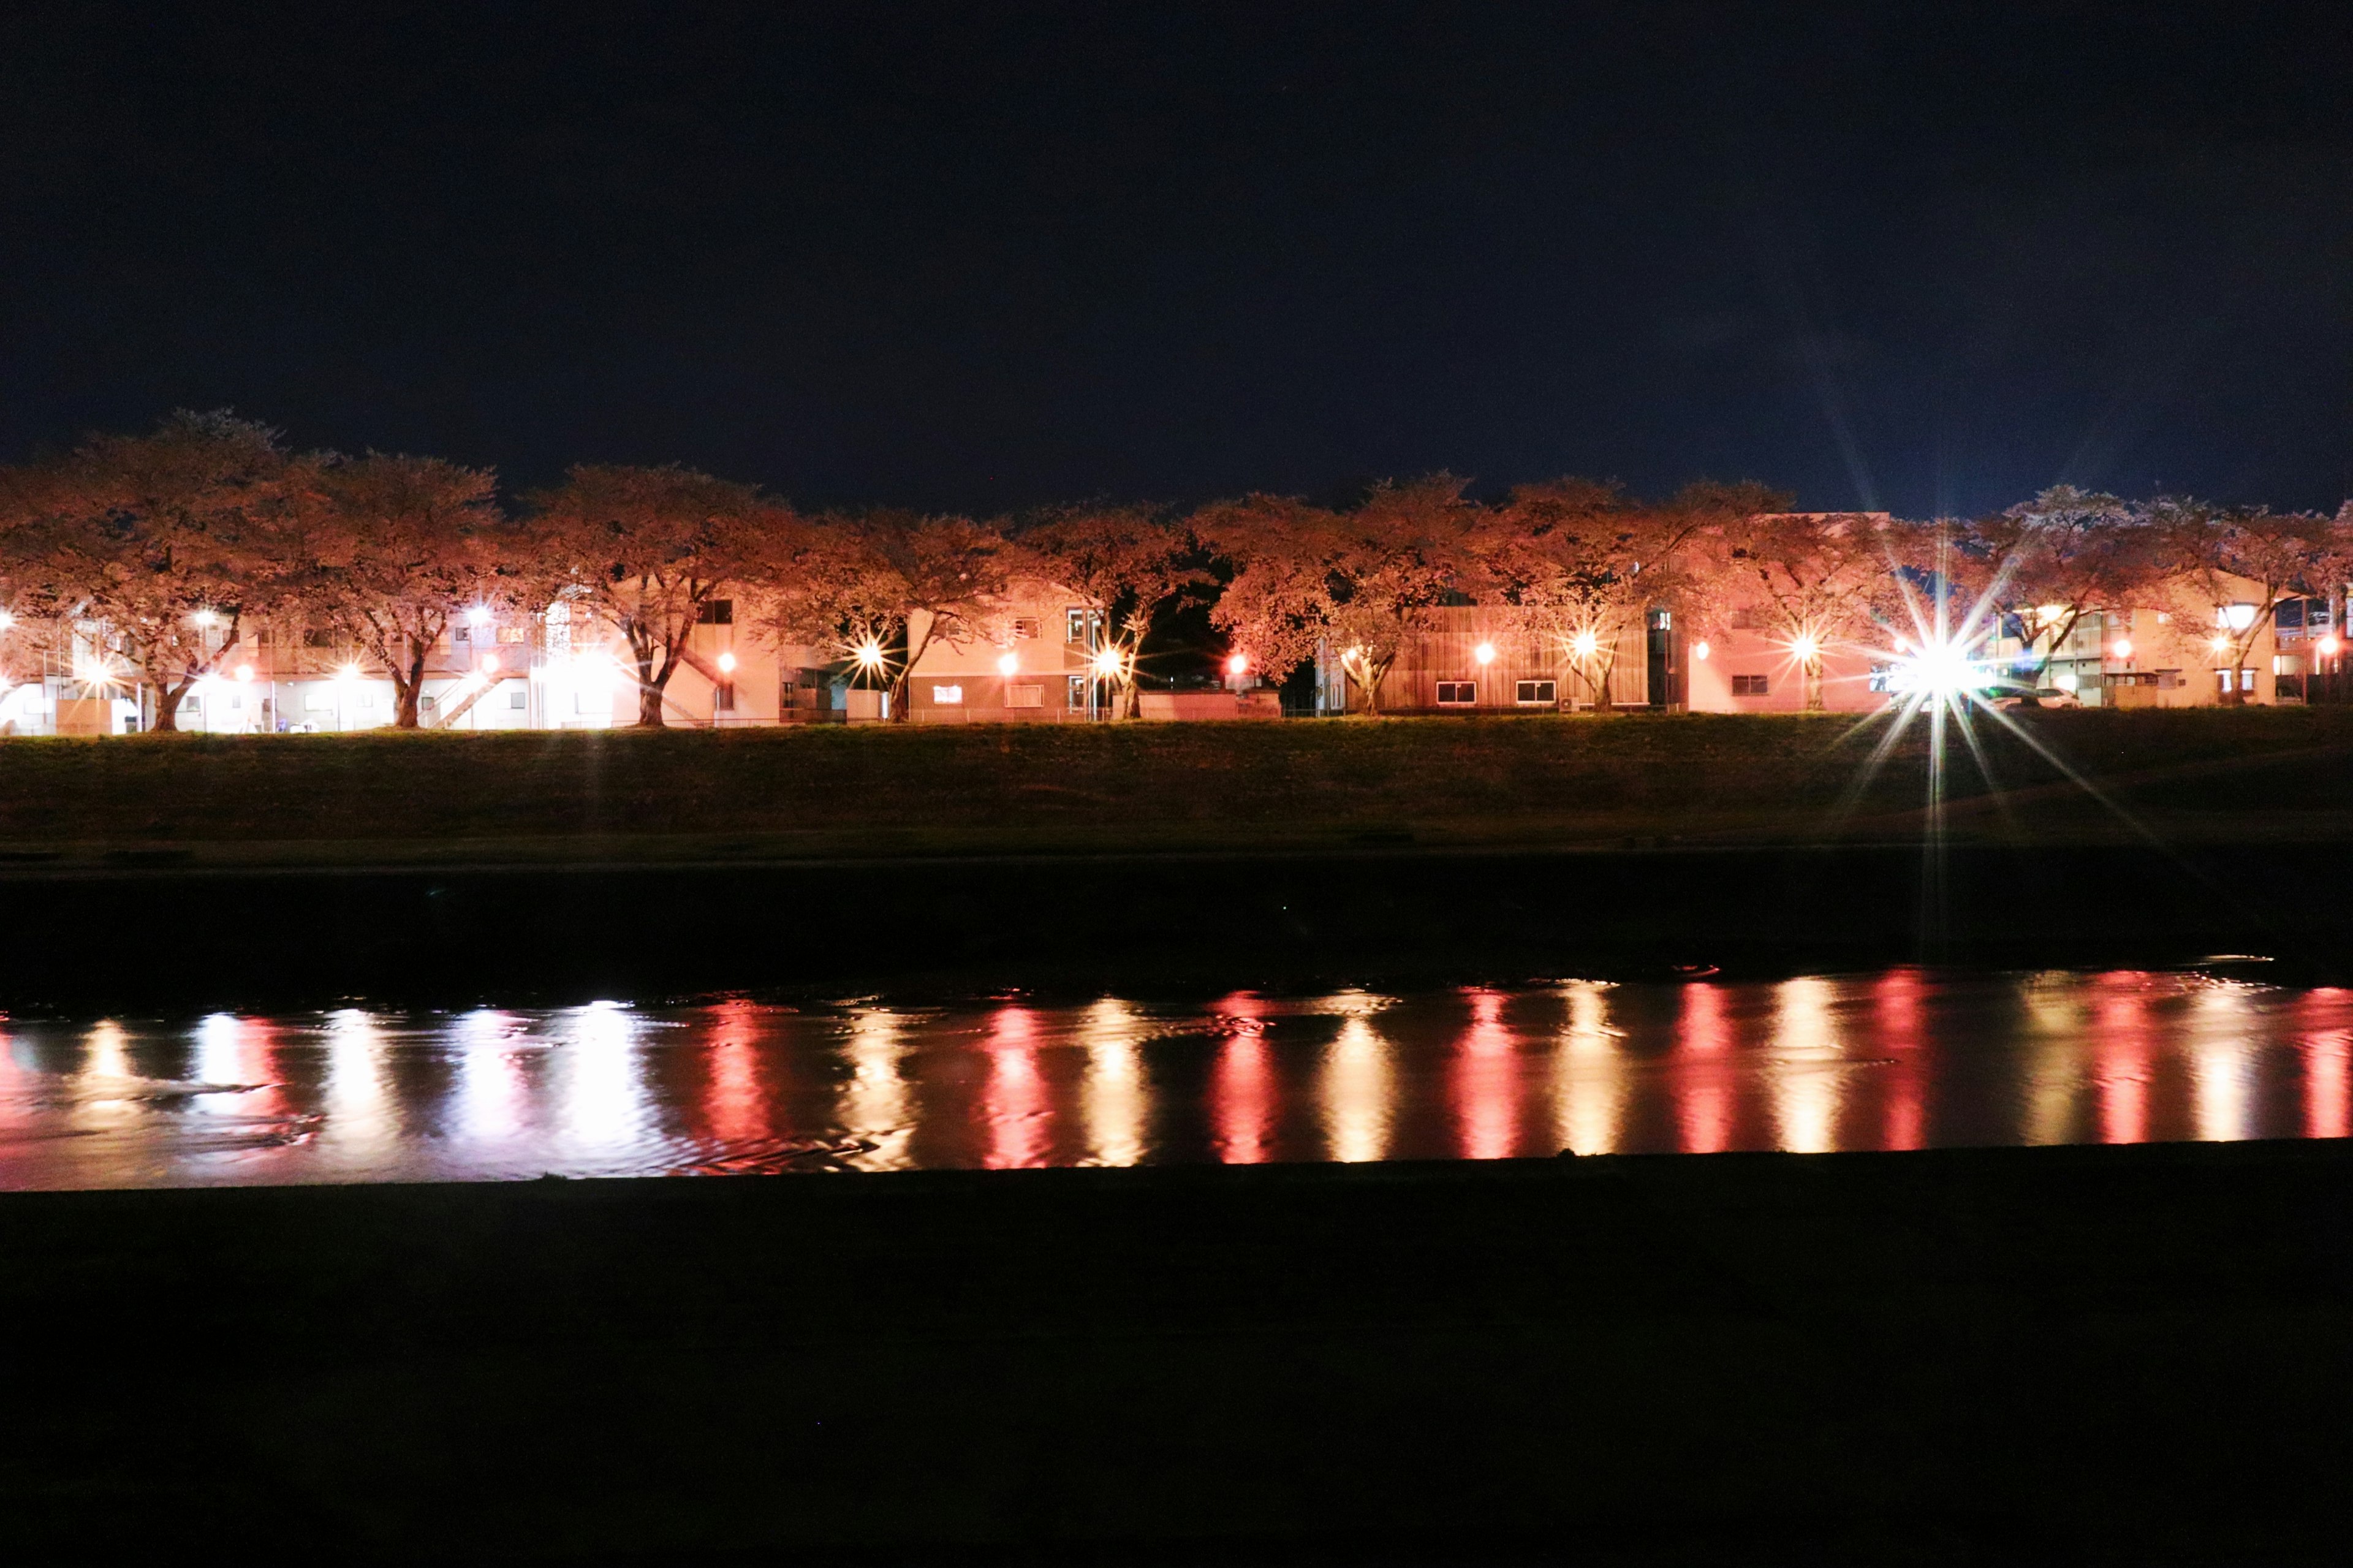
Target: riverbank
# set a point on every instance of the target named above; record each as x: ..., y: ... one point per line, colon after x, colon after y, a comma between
x: 2065, y: 1355
x: 383, y: 798
x: 174, y: 938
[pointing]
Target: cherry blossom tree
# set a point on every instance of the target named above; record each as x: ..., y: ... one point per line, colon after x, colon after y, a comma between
x: 399, y: 548
x: 1364, y: 580
x: 646, y: 551
x: 1586, y: 563
x: 154, y: 552
x: 883, y: 586
x: 1128, y: 566
x: 2048, y: 562
x: 2225, y: 570
x: 1813, y: 580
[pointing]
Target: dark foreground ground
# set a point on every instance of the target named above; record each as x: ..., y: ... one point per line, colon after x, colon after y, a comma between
x: 2052, y: 1355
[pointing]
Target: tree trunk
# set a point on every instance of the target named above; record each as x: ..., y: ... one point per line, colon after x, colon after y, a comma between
x: 408, y: 694
x: 1813, y: 668
x: 167, y: 714
x: 650, y: 684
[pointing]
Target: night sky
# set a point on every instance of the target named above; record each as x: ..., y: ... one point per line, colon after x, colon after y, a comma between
x: 1925, y: 257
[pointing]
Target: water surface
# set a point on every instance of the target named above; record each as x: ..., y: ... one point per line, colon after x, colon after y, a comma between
x: 1900, y: 1059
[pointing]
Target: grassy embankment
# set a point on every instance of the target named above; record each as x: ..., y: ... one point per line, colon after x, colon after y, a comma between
x: 2068, y: 1355
x: 2188, y: 775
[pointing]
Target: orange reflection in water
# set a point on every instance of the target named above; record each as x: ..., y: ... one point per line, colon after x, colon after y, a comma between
x: 1897, y: 1013
x: 2327, y: 1112
x: 1357, y: 1091
x: 735, y: 1105
x: 1703, y: 1070
x: 1486, y: 1096
x: 2122, y: 1043
x: 1241, y: 1085
x: 1590, y: 1072
x: 1016, y: 1105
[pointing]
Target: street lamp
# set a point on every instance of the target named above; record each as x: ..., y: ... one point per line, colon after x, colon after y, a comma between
x: 1485, y: 652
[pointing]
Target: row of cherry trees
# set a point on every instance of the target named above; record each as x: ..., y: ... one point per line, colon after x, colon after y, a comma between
x: 179, y: 542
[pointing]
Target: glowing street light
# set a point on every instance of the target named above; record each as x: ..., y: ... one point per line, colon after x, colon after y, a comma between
x: 1238, y: 664
x: 490, y: 664
x: 1699, y: 651
x: 1107, y: 663
x: 869, y: 655
x: 1585, y: 643
x: 1008, y: 664
x: 727, y: 664
x: 2219, y: 644
x: 7, y: 621
x: 478, y: 615
x: 1805, y: 646
x: 244, y: 674
x: 2124, y: 647
x: 204, y: 620
x: 2328, y: 646
x: 1485, y: 652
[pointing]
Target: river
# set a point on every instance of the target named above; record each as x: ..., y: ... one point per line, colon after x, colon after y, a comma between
x: 1901, y: 1059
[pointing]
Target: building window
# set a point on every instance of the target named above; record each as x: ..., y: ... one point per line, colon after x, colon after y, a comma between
x: 1025, y: 697
x: 321, y: 638
x: 1750, y: 686
x: 1535, y: 692
x: 518, y: 699
x: 947, y: 696
x: 1025, y: 627
x: 2246, y: 680
x: 717, y: 613
x: 1457, y: 693
x: 512, y: 634
x: 367, y: 699
x: 788, y: 695
x: 316, y: 701
x: 2168, y: 679
x: 723, y: 698
x: 1078, y: 697
x: 1080, y: 625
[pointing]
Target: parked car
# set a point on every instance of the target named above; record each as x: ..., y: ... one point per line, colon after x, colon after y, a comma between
x: 2038, y: 697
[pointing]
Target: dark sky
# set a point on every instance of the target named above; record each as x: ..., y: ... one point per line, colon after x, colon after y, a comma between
x: 1924, y: 256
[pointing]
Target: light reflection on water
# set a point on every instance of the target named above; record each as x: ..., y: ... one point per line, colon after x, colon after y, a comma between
x: 1901, y: 1059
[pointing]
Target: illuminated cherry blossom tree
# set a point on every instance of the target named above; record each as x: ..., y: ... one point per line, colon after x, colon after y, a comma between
x: 646, y: 551
x: 1127, y: 566
x: 397, y: 549
x: 151, y: 553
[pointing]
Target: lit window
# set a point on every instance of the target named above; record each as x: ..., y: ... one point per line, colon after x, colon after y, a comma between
x: 947, y: 696
x: 512, y: 634
x: 518, y: 699
x: 1535, y: 692
x: 1750, y: 686
x: 1457, y: 693
x: 316, y: 701
x: 1078, y: 697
